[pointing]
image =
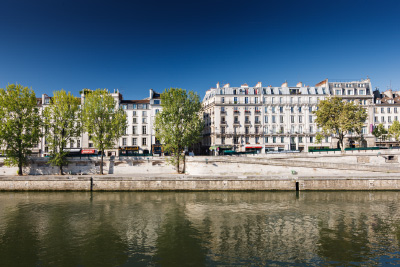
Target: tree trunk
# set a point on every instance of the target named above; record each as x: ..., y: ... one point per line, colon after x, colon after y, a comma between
x: 184, y: 163
x: 101, y: 162
x: 177, y: 161
x: 20, y: 168
x: 341, y: 139
x: 61, y: 170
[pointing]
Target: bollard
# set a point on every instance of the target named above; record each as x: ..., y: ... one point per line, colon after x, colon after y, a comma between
x: 297, y: 186
x: 91, y: 183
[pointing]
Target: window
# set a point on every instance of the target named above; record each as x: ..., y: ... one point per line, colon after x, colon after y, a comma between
x: 292, y: 119
x: 236, y: 140
x: 311, y: 139
x: 134, y: 120
x: 310, y: 109
x: 247, y: 139
x: 90, y: 144
x: 282, y: 139
x: 282, y: 129
x: 310, y: 119
x: 246, y: 130
x: 272, y: 100
x: 395, y: 110
x: 361, y: 92
x: 266, y: 140
x: 281, y: 100
x: 266, y: 109
x: 311, y: 129
x: 157, y: 111
x: 274, y: 139
x: 395, y: 118
x: 235, y: 101
x: 223, y: 140
x: 134, y: 129
x: 382, y: 110
x: 300, y: 129
x: 388, y: 110
x: 257, y: 140
x: 300, y: 139
x: 382, y: 119
x: 124, y: 107
x: 273, y: 109
x: 157, y: 102
x: 144, y: 113
x: 299, y: 109
x: 126, y: 130
x: 257, y: 119
x: 71, y: 143
x: 291, y: 109
x: 223, y: 120
x: 390, y: 119
x: 256, y: 130
x: 144, y: 120
x: 300, y: 119
x: 281, y: 118
x: 236, y: 119
x: 78, y: 143
x: 273, y: 119
x: 134, y: 141
x: 222, y: 130
x: 256, y: 100
x: 124, y: 141
x: 364, y: 130
x: 246, y: 100
x: 266, y: 119
x: 222, y: 100
x: 144, y: 141
x: 246, y: 119
x: 338, y: 92
x: 222, y: 109
x: 376, y: 119
x: 280, y: 109
x: 144, y: 129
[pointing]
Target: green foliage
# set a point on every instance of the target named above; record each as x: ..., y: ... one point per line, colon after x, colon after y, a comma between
x: 179, y: 124
x: 338, y: 117
x: 318, y: 138
x: 380, y: 132
x: 394, y: 130
x: 20, y: 124
x: 61, y: 123
x: 102, y: 120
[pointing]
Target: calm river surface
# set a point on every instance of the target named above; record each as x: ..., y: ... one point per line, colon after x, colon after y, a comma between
x: 199, y: 228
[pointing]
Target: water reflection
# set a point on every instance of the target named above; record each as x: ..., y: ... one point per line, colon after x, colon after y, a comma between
x: 199, y: 228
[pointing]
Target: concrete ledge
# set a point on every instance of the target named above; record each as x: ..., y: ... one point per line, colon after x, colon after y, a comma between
x: 189, y: 183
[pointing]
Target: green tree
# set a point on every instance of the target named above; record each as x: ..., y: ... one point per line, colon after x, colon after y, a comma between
x: 394, y: 130
x: 102, y: 120
x: 179, y: 124
x: 338, y: 117
x: 380, y: 132
x: 20, y: 124
x: 61, y: 123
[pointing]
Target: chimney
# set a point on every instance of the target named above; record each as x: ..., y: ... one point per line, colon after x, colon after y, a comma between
x: 285, y: 84
x: 226, y: 85
x: 151, y: 93
x: 258, y: 85
x: 299, y: 84
x: 217, y: 85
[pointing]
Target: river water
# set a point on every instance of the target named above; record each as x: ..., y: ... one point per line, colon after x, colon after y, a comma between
x: 199, y: 228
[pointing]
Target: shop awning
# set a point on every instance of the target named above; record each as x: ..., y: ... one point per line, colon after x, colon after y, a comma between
x: 253, y: 146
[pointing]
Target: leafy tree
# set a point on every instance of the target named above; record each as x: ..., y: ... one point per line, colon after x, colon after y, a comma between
x: 102, y: 120
x: 20, y: 124
x: 394, y: 130
x: 62, y: 124
x: 380, y: 132
x: 318, y: 138
x: 179, y: 124
x: 338, y: 117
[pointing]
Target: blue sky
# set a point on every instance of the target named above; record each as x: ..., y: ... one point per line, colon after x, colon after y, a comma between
x: 138, y: 45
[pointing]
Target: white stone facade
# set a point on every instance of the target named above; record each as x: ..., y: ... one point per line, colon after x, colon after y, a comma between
x: 274, y: 118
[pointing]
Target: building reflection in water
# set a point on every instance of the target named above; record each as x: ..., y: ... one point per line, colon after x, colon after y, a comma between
x: 199, y: 228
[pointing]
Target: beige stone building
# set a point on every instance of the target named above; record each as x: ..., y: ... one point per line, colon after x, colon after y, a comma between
x: 267, y: 118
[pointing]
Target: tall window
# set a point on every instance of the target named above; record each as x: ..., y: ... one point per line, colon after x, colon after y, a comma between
x: 134, y: 141
x: 134, y: 129
x: 124, y: 141
x: 144, y: 141
x: 144, y: 130
x: 78, y: 143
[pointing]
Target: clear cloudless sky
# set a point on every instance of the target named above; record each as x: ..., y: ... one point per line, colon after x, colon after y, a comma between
x: 138, y: 45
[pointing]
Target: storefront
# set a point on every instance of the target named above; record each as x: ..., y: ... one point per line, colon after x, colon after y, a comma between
x: 89, y: 152
x: 157, y: 149
x: 219, y: 150
x: 255, y: 149
x: 128, y: 150
x: 73, y: 151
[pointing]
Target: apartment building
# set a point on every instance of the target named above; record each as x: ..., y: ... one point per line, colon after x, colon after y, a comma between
x: 271, y: 118
x: 139, y: 137
x: 386, y: 111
